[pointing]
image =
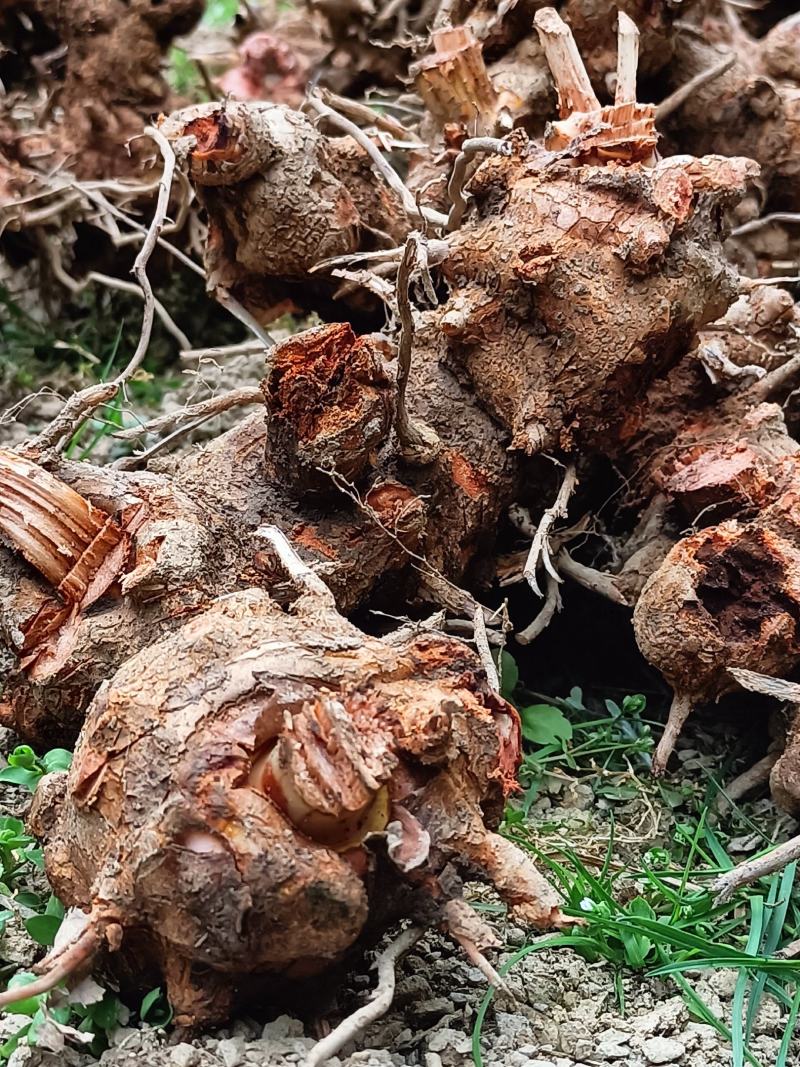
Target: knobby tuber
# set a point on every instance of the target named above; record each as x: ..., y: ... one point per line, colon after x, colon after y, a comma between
x: 323, y: 464
x: 259, y: 787
x: 259, y: 790
x: 112, y: 78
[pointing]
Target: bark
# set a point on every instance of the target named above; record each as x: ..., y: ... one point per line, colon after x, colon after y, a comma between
x: 753, y: 108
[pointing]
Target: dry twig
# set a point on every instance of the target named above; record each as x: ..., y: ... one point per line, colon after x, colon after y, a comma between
x: 684, y: 92
x: 81, y: 405
x: 213, y: 405
x: 726, y: 885
x: 419, y: 215
x: 540, y: 546
x: 419, y: 444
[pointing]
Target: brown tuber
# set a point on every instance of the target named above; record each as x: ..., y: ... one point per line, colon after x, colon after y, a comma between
x: 255, y: 793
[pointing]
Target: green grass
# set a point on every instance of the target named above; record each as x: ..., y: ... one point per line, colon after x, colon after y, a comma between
x: 653, y: 914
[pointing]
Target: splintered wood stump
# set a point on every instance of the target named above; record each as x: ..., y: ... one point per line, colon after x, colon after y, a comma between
x: 258, y: 792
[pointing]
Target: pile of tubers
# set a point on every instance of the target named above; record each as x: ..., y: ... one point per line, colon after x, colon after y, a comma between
x: 259, y: 786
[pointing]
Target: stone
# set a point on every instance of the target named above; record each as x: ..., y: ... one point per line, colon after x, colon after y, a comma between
x: 612, y: 1045
x: 427, y: 1012
x: 663, y: 1050
x: 184, y: 1055
x: 446, y: 1040
x: 281, y: 1028
x: 665, y: 1018
x: 231, y: 1051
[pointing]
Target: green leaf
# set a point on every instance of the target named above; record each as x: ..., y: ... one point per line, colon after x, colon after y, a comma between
x: 20, y: 776
x: 542, y: 724
x: 23, y: 756
x: 31, y: 1005
x: 43, y: 928
x: 105, y: 1014
x: 57, y: 759
x: 510, y: 673
x: 156, y: 1009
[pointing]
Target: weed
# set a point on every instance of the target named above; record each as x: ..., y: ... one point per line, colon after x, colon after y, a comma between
x: 25, y: 768
x: 656, y: 916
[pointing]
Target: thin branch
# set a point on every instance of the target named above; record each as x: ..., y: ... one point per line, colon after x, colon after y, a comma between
x: 482, y: 645
x: 681, y: 95
x: 455, y: 187
x: 349, y: 1029
x: 83, y: 403
x: 365, y: 114
x: 419, y: 215
x: 110, y: 282
x: 213, y: 405
x: 744, y: 783
x: 590, y: 578
x: 726, y: 885
x: 552, y: 605
x: 766, y: 220
x: 755, y: 283
x: 205, y: 355
x: 137, y: 459
x: 302, y: 576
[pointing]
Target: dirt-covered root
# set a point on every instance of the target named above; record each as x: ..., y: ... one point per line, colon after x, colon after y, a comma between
x: 324, y: 465
x: 260, y: 790
x: 752, y: 108
x: 112, y: 79
x: 727, y: 596
x: 281, y: 197
x: 554, y: 353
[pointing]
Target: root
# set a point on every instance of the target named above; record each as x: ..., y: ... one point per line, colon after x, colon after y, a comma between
x: 685, y: 92
x: 349, y: 1029
x: 81, y: 405
x: 726, y: 885
x: 540, y: 547
x: 679, y: 712
x: 744, y: 783
x: 59, y: 966
x: 419, y: 444
x: 418, y: 215
x: 552, y: 605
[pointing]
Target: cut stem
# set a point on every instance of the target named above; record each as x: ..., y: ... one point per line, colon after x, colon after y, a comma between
x: 575, y: 92
x: 627, y: 59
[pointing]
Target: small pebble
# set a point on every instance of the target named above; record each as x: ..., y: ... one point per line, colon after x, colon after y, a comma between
x: 663, y: 1050
x: 184, y: 1055
x: 231, y: 1052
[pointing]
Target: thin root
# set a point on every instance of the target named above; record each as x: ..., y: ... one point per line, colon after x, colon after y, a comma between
x: 540, y: 546
x: 60, y: 966
x: 349, y: 1028
x: 726, y: 885
x: 679, y: 712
